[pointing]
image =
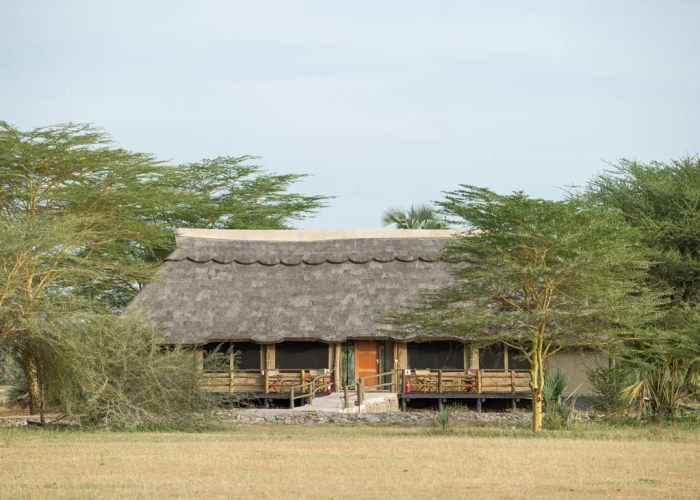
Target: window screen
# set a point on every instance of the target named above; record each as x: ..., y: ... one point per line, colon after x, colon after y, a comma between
x: 491, y: 358
x: 247, y: 355
x: 216, y: 356
x: 301, y: 355
x: 436, y: 355
x: 517, y: 361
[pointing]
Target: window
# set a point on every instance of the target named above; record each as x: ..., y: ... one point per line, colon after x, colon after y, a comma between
x: 436, y: 355
x: 301, y: 355
x: 247, y: 355
x: 491, y: 358
x: 517, y: 360
x: 216, y: 356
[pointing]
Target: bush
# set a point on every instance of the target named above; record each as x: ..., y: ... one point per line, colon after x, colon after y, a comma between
x: 664, y: 386
x: 114, y: 373
x: 608, y: 388
x: 558, y: 414
x: 555, y: 382
x: 443, y: 418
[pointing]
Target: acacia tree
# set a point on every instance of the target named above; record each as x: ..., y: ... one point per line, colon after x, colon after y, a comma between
x: 85, y: 223
x: 231, y: 193
x: 539, y: 276
x: 662, y: 200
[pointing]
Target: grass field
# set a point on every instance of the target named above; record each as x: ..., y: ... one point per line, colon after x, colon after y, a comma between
x: 350, y: 462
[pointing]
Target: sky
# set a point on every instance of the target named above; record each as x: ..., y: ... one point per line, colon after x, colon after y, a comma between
x: 383, y: 103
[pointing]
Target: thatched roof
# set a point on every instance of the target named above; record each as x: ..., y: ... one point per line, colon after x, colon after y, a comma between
x: 269, y: 286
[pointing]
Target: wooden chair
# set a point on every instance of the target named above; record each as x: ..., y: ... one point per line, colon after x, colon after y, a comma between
x: 424, y: 381
x: 275, y: 381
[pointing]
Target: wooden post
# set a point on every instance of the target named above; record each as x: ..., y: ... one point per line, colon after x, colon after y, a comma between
x: 230, y: 368
x: 291, y: 398
x: 347, y: 397
x: 200, y: 358
x: 512, y: 404
x: 474, y: 361
x: 478, y: 382
x: 478, y: 405
x: 266, y: 381
x: 302, y: 381
x: 337, y: 366
x: 360, y: 392
x: 440, y: 381
x: 512, y: 381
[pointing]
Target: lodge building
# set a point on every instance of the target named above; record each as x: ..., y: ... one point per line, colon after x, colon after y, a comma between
x: 299, y: 309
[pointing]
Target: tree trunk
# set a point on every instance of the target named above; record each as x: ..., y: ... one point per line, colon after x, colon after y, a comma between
x: 537, y: 380
x: 537, y: 411
x: 35, y: 405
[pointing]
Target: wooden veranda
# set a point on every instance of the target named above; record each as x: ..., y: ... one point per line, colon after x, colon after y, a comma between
x: 440, y: 385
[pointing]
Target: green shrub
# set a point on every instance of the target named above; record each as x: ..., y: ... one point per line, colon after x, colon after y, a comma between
x: 555, y: 382
x: 664, y: 386
x: 113, y: 373
x: 608, y: 385
x: 443, y: 418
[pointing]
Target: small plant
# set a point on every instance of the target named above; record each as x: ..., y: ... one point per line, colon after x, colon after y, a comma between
x: 555, y: 383
x: 443, y: 418
x: 608, y: 385
x: 18, y: 396
x: 561, y: 414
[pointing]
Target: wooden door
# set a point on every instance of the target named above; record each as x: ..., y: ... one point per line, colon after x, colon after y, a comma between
x: 367, y: 360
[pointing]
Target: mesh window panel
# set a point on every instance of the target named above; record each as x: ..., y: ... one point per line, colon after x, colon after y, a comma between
x: 301, y: 355
x: 491, y: 358
x: 517, y: 360
x: 247, y: 355
x: 219, y: 362
x: 436, y: 355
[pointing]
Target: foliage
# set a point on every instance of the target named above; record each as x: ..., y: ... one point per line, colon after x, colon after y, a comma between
x: 561, y: 414
x: 84, y: 223
x: 113, y: 373
x: 10, y: 371
x: 443, y: 418
x: 663, y: 386
x: 539, y: 276
x: 419, y: 216
x: 661, y: 201
x: 555, y: 382
x: 230, y: 193
x: 608, y: 384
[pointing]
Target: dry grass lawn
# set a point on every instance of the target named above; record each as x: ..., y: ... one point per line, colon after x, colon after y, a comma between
x: 349, y: 462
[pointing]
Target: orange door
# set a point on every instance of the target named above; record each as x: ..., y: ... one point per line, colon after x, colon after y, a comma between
x: 367, y: 360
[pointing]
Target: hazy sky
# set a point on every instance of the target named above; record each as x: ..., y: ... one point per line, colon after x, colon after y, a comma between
x: 384, y: 103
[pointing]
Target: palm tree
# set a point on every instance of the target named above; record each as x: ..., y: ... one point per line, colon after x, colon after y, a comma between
x: 419, y: 216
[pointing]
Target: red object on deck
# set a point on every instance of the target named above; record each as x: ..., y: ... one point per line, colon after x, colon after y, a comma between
x: 408, y: 386
x: 329, y: 389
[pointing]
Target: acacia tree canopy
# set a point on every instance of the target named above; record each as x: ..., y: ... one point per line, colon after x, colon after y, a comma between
x: 84, y: 223
x: 662, y: 200
x: 539, y: 276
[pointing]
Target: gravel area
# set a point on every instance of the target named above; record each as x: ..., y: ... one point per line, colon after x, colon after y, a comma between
x: 418, y: 418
